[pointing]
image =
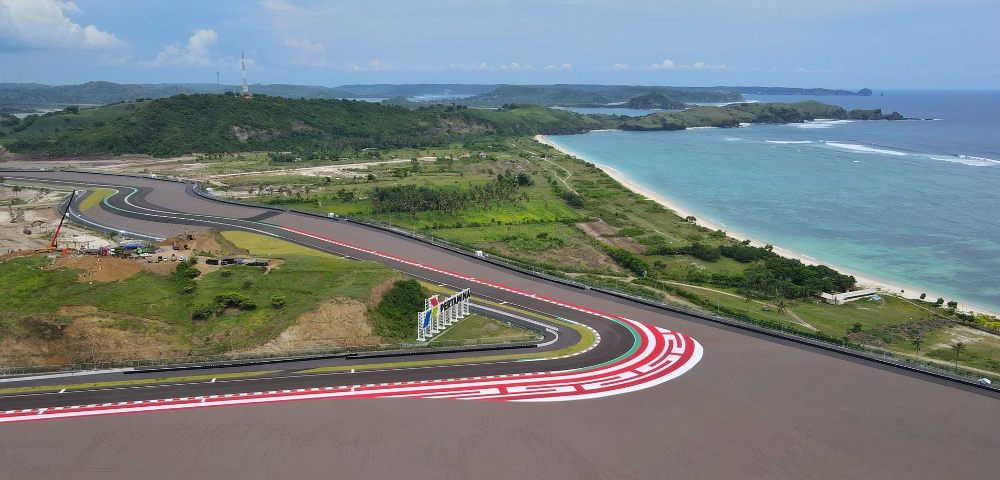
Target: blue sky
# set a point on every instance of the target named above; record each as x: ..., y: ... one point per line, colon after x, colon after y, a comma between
x: 804, y: 43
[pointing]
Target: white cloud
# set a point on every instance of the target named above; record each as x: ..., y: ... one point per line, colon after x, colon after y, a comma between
x: 471, y: 66
x: 564, y: 66
x: 516, y: 67
x: 372, y: 65
x: 44, y: 24
x: 668, y: 65
x: 196, y: 53
x: 309, y: 53
x: 618, y: 66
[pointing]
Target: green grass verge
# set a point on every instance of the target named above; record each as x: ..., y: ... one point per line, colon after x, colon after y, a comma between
x: 262, y: 245
x: 96, y: 197
x: 477, y: 326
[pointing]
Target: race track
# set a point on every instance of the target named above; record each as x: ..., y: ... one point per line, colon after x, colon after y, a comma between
x: 738, y: 404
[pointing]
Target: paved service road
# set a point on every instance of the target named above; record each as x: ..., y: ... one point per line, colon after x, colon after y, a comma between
x: 753, y: 407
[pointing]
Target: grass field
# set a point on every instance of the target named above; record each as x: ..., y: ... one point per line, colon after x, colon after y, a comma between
x: 96, y: 197
x: 477, y: 326
x: 262, y: 245
x: 151, y: 315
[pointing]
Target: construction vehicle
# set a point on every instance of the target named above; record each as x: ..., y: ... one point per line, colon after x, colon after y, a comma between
x: 26, y: 230
x: 55, y: 236
x: 187, y: 233
x: 176, y: 245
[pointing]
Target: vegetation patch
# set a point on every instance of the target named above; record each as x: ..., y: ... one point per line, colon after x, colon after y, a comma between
x: 396, y: 315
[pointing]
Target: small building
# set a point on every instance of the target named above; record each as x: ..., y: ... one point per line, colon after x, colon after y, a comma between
x: 465, y: 155
x: 839, y: 298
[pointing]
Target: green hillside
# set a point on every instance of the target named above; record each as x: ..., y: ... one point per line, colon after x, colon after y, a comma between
x: 228, y: 124
x: 53, y: 123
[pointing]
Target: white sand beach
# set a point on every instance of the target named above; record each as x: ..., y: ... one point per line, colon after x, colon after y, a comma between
x: 865, y: 281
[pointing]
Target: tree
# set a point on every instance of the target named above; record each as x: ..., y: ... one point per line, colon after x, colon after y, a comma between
x: 16, y: 188
x: 916, y: 342
x: 939, y: 302
x: 1, y: 183
x: 781, y: 306
x: 958, y: 348
x: 748, y: 296
x: 923, y: 296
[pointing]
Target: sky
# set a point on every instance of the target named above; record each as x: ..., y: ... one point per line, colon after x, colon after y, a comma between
x: 852, y: 44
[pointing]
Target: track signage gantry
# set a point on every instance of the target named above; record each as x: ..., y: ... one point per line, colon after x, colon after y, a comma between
x: 441, y: 314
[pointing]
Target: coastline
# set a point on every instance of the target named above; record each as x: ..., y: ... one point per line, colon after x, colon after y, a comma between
x: 889, y: 287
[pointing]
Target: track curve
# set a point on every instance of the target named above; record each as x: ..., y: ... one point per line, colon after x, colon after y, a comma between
x: 627, y: 355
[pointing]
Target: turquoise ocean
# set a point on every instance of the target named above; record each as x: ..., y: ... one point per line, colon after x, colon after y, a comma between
x: 914, y: 202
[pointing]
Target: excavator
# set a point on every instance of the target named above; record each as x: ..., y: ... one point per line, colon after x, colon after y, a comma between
x: 55, y: 236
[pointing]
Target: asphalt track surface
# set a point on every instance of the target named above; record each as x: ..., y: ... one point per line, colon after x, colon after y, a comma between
x: 753, y: 407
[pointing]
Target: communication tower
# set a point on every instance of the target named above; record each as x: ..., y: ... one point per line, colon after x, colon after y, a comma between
x: 243, y: 65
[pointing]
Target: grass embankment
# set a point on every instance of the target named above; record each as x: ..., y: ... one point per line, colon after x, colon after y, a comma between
x: 49, y: 317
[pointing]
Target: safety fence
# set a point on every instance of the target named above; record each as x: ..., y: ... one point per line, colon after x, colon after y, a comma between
x: 343, y: 349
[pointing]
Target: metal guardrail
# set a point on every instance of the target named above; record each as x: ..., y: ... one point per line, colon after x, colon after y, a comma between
x: 303, y: 354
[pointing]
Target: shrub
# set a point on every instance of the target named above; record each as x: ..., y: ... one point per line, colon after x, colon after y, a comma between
x: 396, y: 315
x: 277, y: 301
x: 184, y: 270
x: 628, y: 260
x: 234, y: 299
x: 202, y: 312
x: 704, y: 252
x: 226, y: 273
x: 573, y: 199
x: 247, y: 282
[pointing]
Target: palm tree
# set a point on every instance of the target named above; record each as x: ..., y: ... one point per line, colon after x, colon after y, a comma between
x: 781, y: 307
x: 958, y: 348
x: 748, y: 296
x: 16, y: 188
x: 916, y: 342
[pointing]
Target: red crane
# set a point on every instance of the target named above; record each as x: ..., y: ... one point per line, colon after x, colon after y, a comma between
x: 52, y: 246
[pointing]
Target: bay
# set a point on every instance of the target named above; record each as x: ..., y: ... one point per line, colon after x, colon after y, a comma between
x: 915, y: 203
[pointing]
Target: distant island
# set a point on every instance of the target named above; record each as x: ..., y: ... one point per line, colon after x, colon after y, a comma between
x: 32, y: 97
x: 654, y: 101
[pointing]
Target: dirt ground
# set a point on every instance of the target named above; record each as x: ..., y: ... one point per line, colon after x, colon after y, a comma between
x: 92, y: 336
x: 596, y: 229
x: 38, y: 213
x: 337, y: 322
